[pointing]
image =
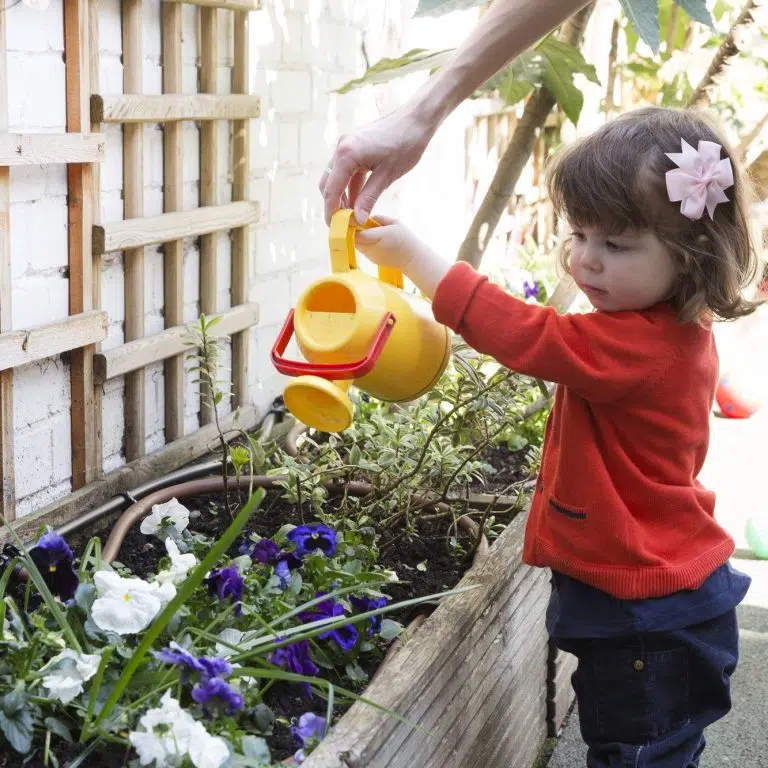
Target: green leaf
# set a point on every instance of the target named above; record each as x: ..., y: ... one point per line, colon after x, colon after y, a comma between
x: 644, y: 17
x: 255, y: 748
x: 697, y: 10
x: 54, y: 725
x: 513, y: 90
x: 18, y: 730
x: 386, y: 69
x: 183, y: 594
x: 562, y: 62
x: 355, y: 672
x: 390, y: 629
x: 14, y: 701
x: 443, y: 7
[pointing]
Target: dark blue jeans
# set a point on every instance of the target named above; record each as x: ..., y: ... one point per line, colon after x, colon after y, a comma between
x: 645, y: 699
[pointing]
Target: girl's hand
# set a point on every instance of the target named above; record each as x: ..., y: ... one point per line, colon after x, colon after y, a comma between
x: 394, y: 245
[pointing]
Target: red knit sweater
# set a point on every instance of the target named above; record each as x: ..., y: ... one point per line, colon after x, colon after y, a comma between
x: 617, y: 504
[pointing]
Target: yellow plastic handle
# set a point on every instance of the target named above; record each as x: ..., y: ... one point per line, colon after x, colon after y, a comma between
x: 342, y: 244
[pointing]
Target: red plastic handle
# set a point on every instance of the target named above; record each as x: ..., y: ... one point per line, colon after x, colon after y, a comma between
x: 330, y: 371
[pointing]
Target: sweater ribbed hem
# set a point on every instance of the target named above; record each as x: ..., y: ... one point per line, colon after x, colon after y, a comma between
x: 637, y: 582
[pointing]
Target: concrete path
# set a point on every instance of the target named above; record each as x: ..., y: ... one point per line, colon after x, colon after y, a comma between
x: 737, y: 469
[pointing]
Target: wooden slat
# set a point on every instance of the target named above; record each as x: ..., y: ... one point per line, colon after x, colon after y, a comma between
x: 133, y: 194
x: 240, y: 174
x: 50, y: 148
x: 161, y: 109
x: 7, y: 461
x: 93, y: 56
x: 25, y: 346
x: 79, y: 224
x: 166, y: 344
x: 209, y: 182
x: 231, y: 5
x: 173, y: 200
x: 134, y: 233
x: 150, y: 467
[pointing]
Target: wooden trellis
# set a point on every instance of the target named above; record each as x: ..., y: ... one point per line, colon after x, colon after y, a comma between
x: 82, y: 148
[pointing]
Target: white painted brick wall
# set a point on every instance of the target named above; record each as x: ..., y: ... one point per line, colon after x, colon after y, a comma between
x: 300, y: 51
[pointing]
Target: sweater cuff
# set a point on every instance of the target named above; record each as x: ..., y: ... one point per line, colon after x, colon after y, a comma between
x: 455, y: 293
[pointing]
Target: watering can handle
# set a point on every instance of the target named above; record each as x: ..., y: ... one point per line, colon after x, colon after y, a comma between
x: 342, y: 244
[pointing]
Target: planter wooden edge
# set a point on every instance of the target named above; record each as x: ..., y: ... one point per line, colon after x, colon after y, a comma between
x: 473, y: 677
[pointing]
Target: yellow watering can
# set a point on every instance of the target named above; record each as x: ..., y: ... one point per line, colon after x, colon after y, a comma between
x: 355, y: 329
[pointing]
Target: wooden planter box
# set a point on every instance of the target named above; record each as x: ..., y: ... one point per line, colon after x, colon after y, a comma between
x: 473, y: 677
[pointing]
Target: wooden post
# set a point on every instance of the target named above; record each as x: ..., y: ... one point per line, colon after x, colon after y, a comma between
x: 79, y: 215
x: 240, y: 173
x: 133, y: 192
x: 93, y: 45
x: 173, y: 200
x: 209, y: 182
x: 7, y: 462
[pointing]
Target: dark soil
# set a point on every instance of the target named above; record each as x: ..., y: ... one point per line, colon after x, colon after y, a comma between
x: 427, y: 563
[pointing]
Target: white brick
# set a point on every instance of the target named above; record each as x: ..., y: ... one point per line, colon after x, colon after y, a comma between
x: 39, y: 299
x: 110, y: 28
x: 36, y: 107
x: 316, y: 143
x: 113, y: 421
x: 61, y: 453
x: 319, y: 42
x: 35, y: 248
x: 264, y: 43
x: 260, y: 190
x: 290, y: 199
x: 153, y: 156
x: 291, y: 93
x: 300, y: 280
x: 264, y: 144
x: 292, y: 51
x: 31, y: 30
x: 273, y: 297
x: 289, y: 144
x: 110, y: 74
x: 33, y: 182
x: 41, y: 499
x: 40, y: 390
x: 111, y: 176
x: 34, y: 464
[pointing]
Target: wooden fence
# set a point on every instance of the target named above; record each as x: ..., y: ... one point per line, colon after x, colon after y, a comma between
x: 82, y: 148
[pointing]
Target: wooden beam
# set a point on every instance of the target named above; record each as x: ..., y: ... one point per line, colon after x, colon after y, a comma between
x: 133, y: 194
x: 50, y: 148
x: 79, y: 226
x: 7, y: 461
x: 167, y: 459
x: 135, y: 233
x: 93, y: 61
x: 209, y: 181
x: 231, y: 5
x: 162, y: 109
x: 43, y: 341
x: 240, y: 178
x: 173, y: 200
x: 169, y: 343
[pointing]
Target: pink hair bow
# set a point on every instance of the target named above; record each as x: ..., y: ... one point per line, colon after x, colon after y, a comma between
x: 699, y: 179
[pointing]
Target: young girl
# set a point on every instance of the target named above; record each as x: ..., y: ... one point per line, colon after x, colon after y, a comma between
x: 643, y: 593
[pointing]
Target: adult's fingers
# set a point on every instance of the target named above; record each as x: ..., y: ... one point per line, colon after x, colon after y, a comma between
x: 357, y: 182
x: 341, y: 170
x: 377, y: 182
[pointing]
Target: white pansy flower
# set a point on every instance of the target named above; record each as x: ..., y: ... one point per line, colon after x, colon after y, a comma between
x: 126, y: 606
x: 72, y: 669
x: 172, y: 514
x: 180, y: 564
x: 206, y: 751
x: 170, y: 733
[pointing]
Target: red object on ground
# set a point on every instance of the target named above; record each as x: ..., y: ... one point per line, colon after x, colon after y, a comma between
x: 733, y: 403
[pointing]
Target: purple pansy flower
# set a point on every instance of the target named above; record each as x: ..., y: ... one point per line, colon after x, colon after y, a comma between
x: 530, y: 288
x: 217, y: 694
x: 263, y: 551
x: 227, y: 582
x: 309, y: 538
x: 365, y: 604
x: 267, y: 552
x: 54, y: 559
x: 205, y: 667
x: 311, y: 727
x: 295, y: 658
x: 346, y: 636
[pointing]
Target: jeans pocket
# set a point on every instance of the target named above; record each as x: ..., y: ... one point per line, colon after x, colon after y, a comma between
x: 632, y: 696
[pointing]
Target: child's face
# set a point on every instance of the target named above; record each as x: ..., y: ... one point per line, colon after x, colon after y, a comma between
x: 630, y: 271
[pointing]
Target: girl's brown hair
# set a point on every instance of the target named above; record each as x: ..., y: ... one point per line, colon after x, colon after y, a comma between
x: 615, y: 179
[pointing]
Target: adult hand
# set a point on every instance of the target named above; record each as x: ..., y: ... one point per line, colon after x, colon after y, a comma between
x: 387, y: 149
